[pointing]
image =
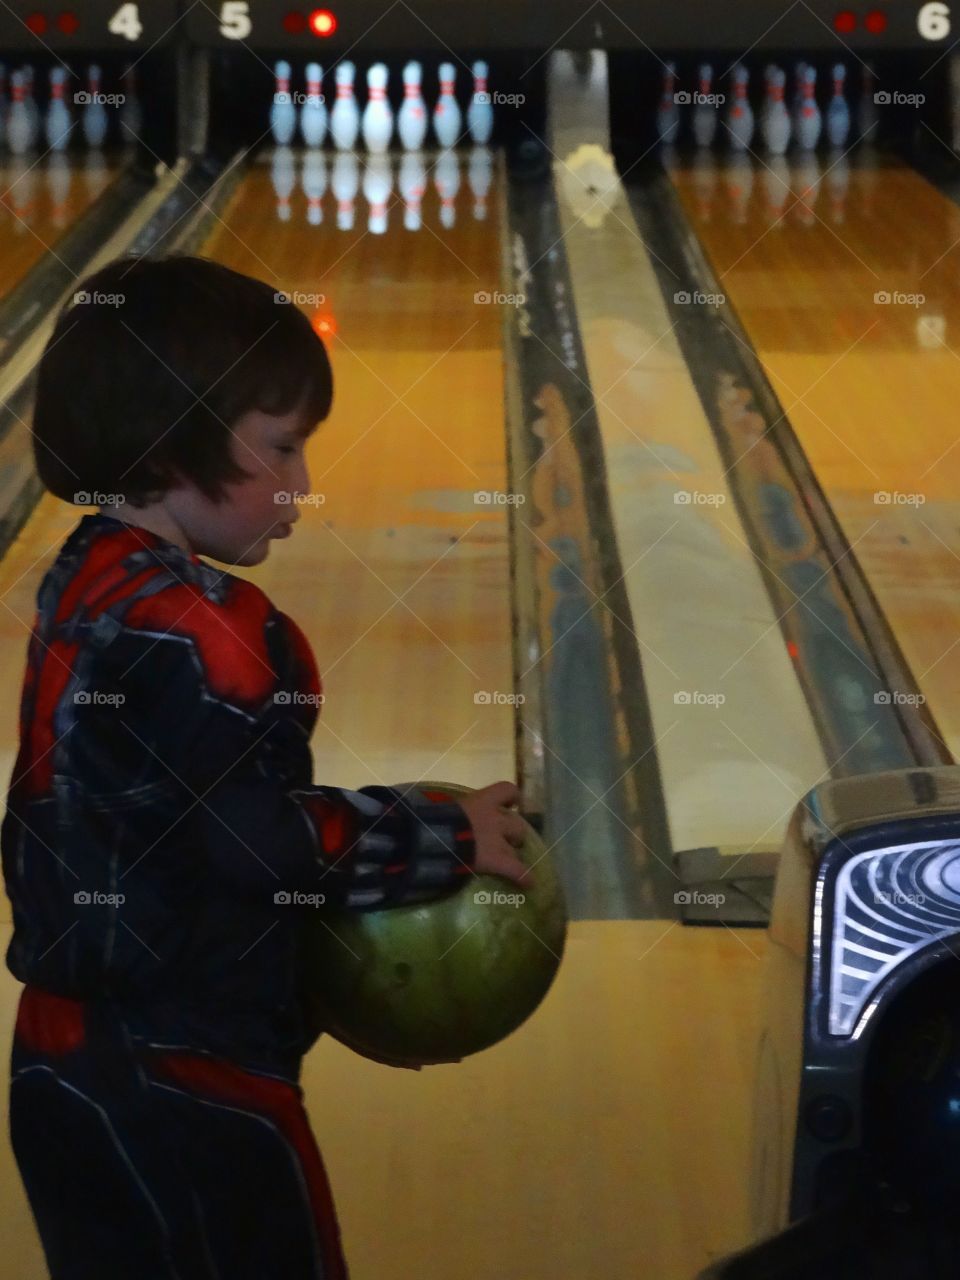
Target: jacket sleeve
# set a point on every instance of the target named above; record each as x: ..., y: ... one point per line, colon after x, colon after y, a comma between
x: 165, y: 757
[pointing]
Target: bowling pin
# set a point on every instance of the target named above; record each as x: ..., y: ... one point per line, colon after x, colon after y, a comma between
x: 797, y: 100
x: 345, y: 117
x: 775, y: 129
x: 59, y: 179
x: 479, y: 178
x: 377, y: 122
x: 131, y: 113
x: 838, y: 113
x: 3, y: 102
x: 93, y: 117
x: 313, y: 113
x: 58, y: 124
x: 345, y: 183
x: 412, y: 184
x: 739, y: 176
x: 314, y: 181
x: 20, y: 135
x: 480, y: 110
x: 283, y: 175
x: 412, y: 119
x: 704, y: 119
x: 377, y: 185
x: 868, y: 115
x: 446, y: 114
x: 740, y: 116
x: 283, y: 114
x: 765, y: 105
x: 809, y: 122
x: 446, y: 179
x: 668, y: 112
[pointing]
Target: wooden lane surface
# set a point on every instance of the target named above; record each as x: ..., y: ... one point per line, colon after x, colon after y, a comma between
x: 868, y: 386
x: 39, y: 200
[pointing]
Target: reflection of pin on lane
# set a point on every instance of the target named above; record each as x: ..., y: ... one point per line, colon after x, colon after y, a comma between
x: 776, y: 184
x: 59, y: 180
x: 704, y: 182
x: 739, y: 187
x: 838, y: 183
x: 284, y: 177
x: 807, y: 175
x: 412, y: 182
x: 480, y: 177
x: 345, y: 184
x: 377, y: 185
x: 314, y: 180
x: 446, y: 178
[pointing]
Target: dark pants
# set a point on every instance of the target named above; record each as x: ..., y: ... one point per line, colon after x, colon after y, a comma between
x: 162, y: 1165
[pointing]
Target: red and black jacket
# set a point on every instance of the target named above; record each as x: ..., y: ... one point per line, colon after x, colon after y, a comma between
x: 162, y: 812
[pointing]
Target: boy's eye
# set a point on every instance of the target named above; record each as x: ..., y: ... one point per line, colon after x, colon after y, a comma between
x: 286, y: 448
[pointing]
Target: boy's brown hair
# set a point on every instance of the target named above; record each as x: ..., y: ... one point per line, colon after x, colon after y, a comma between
x: 149, y: 367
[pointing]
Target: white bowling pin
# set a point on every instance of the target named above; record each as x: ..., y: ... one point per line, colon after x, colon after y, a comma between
x: 838, y: 113
x: 20, y: 135
x: 58, y: 124
x: 313, y: 113
x: 3, y: 102
x: 377, y: 185
x: 480, y: 178
x: 809, y: 122
x: 412, y: 184
x: 668, y: 112
x: 796, y: 101
x: 446, y: 114
x: 446, y: 178
x: 740, y: 115
x: 314, y: 181
x: 94, y: 114
x: 283, y: 114
x: 377, y: 122
x: 283, y: 175
x: 775, y: 129
x: 131, y: 113
x: 704, y: 118
x: 412, y: 119
x: 345, y: 183
x: 345, y: 117
x: 765, y: 105
x: 480, y: 110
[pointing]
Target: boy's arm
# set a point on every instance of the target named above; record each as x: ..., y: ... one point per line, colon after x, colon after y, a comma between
x: 203, y: 772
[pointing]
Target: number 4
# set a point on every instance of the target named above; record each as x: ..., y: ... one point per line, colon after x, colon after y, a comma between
x: 126, y: 22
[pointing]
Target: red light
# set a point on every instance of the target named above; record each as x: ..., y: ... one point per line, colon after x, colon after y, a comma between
x: 294, y: 23
x: 36, y: 23
x: 875, y: 22
x: 68, y: 23
x: 325, y: 324
x: 845, y: 22
x: 322, y: 22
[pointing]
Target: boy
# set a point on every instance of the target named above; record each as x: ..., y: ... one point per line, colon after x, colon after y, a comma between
x: 163, y: 796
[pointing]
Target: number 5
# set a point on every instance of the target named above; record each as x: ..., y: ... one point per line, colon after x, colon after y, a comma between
x: 235, y: 21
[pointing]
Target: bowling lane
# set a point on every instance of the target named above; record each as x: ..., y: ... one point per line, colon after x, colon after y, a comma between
x: 40, y: 200
x: 843, y: 273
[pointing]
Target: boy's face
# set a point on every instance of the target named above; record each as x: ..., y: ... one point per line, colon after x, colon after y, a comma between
x: 239, y: 529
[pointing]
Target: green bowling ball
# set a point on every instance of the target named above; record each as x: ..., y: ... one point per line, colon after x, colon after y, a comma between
x: 437, y: 981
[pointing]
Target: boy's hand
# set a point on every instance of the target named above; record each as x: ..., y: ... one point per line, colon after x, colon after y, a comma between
x: 497, y: 832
